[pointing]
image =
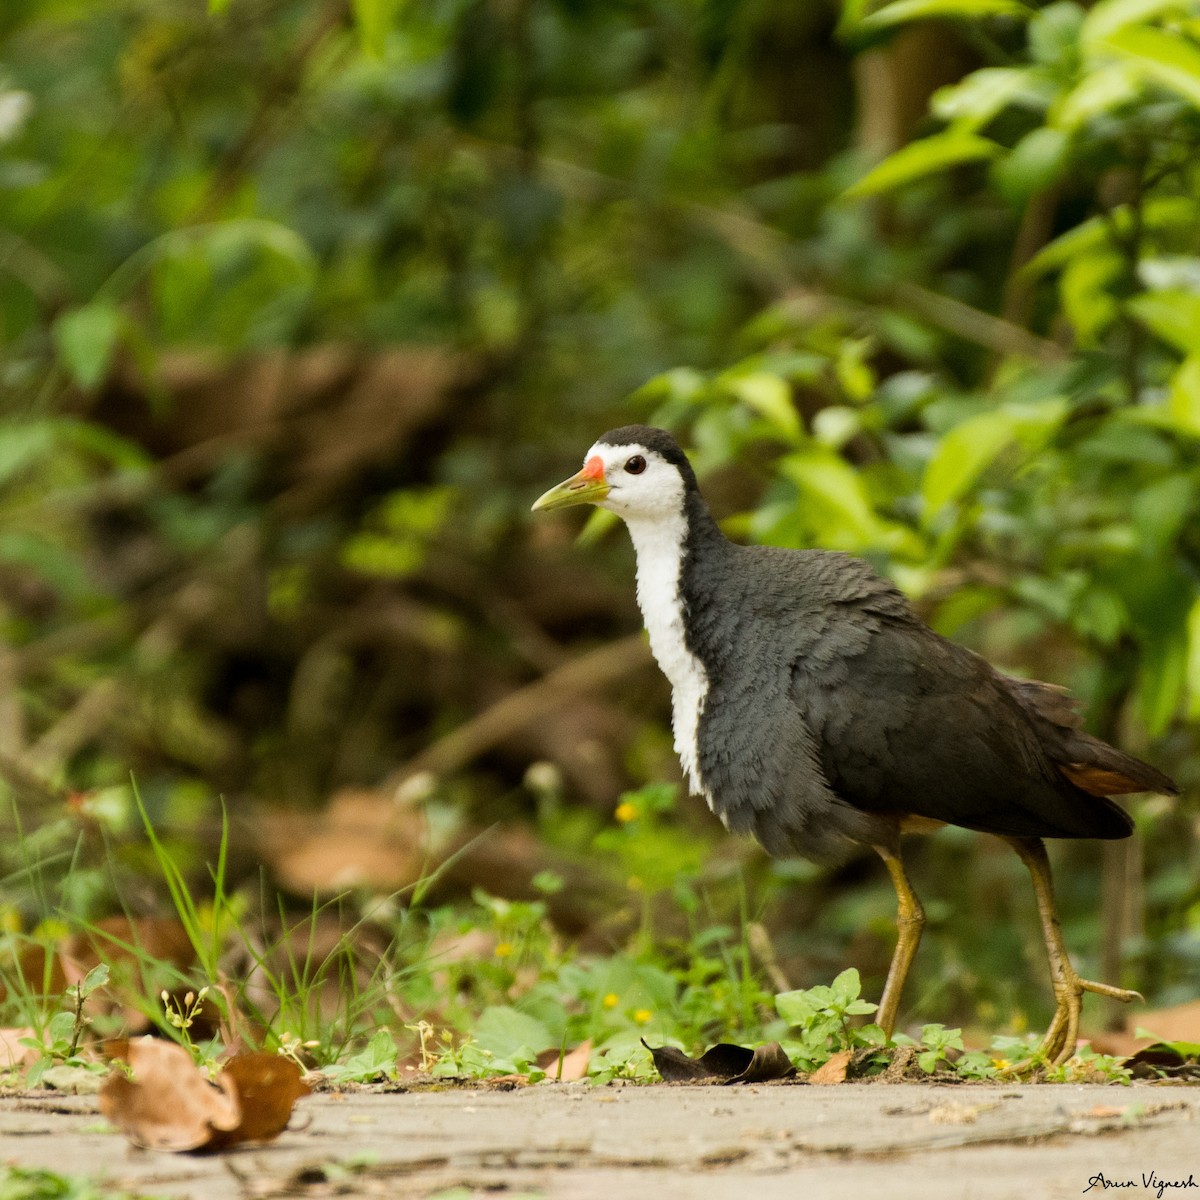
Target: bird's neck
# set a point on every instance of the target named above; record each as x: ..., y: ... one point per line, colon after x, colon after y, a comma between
x: 667, y: 549
x: 666, y: 545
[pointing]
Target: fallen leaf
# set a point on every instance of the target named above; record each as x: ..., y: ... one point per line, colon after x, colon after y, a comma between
x: 123, y: 939
x: 163, y: 1101
x: 12, y: 1053
x: 267, y: 1087
x: 1179, y: 1023
x: 833, y: 1069
x: 1176, y: 1060
x: 724, y: 1063
x: 362, y: 839
x: 39, y: 970
x: 574, y: 1063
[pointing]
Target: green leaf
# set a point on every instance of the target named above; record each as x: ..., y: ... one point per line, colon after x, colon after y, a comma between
x: 374, y: 19
x: 1173, y: 315
x: 962, y: 456
x: 86, y: 338
x: 1099, y: 92
x: 835, y: 501
x: 901, y: 11
x: 60, y: 1028
x: 1054, y: 33
x: 1165, y: 214
x: 1087, y: 294
x: 23, y: 444
x: 1108, y: 16
x: 1162, y: 677
x: 984, y: 93
x: 968, y: 449
x: 96, y: 977
x: 511, y: 1035
x: 796, y: 1008
x: 1163, y: 57
x: 918, y: 159
x: 770, y: 396
x: 1192, y: 662
x: 1183, y: 399
x: 216, y: 7
x: 847, y: 986
x: 1035, y: 162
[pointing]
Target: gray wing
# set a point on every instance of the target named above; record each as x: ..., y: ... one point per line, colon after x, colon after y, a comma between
x: 765, y: 777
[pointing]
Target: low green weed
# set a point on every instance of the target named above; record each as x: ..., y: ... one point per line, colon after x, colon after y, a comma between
x: 32, y: 1183
x: 59, y: 1043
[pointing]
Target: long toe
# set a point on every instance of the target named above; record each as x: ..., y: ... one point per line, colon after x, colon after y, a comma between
x: 1125, y: 995
x: 1063, y: 1035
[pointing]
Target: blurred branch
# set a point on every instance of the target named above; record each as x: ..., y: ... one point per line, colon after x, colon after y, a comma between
x: 87, y: 717
x: 975, y: 325
x: 12, y: 719
x: 28, y: 786
x: 1034, y: 232
x: 281, y: 89
x: 766, y: 249
x: 585, y: 674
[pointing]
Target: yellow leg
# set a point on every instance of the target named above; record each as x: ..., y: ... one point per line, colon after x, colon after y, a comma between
x: 1059, y: 1042
x: 910, y: 920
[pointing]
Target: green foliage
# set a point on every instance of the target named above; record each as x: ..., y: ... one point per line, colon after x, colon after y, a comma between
x: 59, y: 1043
x: 375, y: 1062
x: 31, y: 1183
x: 820, y: 1021
x: 973, y: 359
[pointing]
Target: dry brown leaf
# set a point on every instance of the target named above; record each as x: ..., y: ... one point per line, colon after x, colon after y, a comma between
x: 833, y: 1069
x: 1180, y: 1023
x: 41, y: 972
x: 164, y: 1102
x: 12, y: 1053
x: 267, y: 1087
x: 124, y: 939
x: 723, y: 1063
x: 363, y: 839
x: 574, y: 1063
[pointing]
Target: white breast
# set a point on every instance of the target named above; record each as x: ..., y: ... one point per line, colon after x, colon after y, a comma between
x: 659, y: 546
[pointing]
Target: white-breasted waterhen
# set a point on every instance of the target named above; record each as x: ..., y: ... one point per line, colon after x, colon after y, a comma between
x: 813, y: 710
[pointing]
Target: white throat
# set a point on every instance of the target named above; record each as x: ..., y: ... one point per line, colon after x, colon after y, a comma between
x: 659, y: 543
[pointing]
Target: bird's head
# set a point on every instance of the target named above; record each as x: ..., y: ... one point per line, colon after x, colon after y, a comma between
x: 637, y: 472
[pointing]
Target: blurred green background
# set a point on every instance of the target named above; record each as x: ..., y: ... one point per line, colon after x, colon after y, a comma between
x: 302, y: 302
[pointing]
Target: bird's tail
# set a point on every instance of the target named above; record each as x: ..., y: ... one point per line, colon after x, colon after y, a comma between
x: 1089, y: 763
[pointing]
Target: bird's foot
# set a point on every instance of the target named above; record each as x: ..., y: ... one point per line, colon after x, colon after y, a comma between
x: 1062, y: 1037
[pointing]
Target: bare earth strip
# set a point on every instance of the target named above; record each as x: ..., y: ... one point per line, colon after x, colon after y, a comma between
x: 904, y: 1142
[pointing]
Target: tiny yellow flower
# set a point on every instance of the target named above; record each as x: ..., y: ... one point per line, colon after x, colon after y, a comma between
x: 1001, y: 1064
x: 634, y: 884
x: 642, y: 1016
x: 611, y: 1000
x: 626, y: 812
x: 503, y: 949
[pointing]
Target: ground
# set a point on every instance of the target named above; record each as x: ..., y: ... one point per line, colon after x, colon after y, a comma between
x: 924, y: 1141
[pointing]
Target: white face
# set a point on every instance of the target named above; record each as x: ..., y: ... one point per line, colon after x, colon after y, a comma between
x: 642, y: 484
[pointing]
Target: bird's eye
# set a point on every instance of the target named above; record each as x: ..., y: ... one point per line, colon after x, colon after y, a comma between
x: 636, y: 465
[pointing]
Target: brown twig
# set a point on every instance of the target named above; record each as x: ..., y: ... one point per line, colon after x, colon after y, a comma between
x: 975, y: 325
x: 589, y: 671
